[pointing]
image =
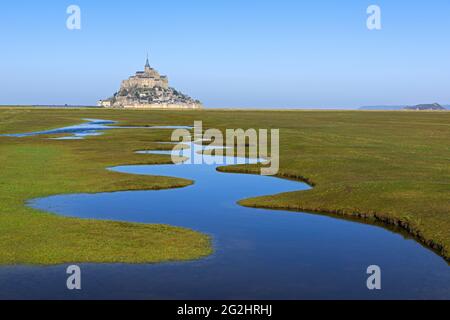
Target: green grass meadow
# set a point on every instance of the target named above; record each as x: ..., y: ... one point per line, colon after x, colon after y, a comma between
x: 377, y: 167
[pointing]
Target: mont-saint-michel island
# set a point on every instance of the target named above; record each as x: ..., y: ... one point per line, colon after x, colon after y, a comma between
x: 149, y: 90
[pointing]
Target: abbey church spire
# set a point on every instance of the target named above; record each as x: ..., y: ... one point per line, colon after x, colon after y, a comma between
x: 147, y: 63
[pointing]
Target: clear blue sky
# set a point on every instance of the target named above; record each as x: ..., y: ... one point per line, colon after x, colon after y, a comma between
x: 229, y: 53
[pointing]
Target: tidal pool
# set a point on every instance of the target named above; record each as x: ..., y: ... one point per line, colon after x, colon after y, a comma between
x: 259, y: 254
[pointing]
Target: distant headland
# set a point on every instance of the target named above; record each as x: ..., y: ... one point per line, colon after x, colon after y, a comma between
x: 149, y: 90
x: 419, y: 107
x: 422, y: 107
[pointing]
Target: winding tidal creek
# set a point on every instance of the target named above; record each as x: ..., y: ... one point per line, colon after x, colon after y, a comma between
x: 259, y: 254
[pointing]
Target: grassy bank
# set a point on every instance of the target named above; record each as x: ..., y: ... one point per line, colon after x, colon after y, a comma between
x: 35, y: 167
x: 379, y: 166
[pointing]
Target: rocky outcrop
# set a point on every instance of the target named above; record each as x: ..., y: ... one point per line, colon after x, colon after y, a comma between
x: 424, y: 107
x: 155, y: 97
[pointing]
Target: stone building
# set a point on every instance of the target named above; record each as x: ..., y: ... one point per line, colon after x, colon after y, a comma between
x: 149, y: 78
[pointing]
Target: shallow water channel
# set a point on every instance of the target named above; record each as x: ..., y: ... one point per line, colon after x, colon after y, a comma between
x: 259, y: 254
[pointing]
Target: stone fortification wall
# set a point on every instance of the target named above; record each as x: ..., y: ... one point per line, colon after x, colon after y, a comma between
x: 163, y: 106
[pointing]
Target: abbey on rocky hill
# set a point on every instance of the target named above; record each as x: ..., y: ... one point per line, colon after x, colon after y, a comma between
x: 149, y: 90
